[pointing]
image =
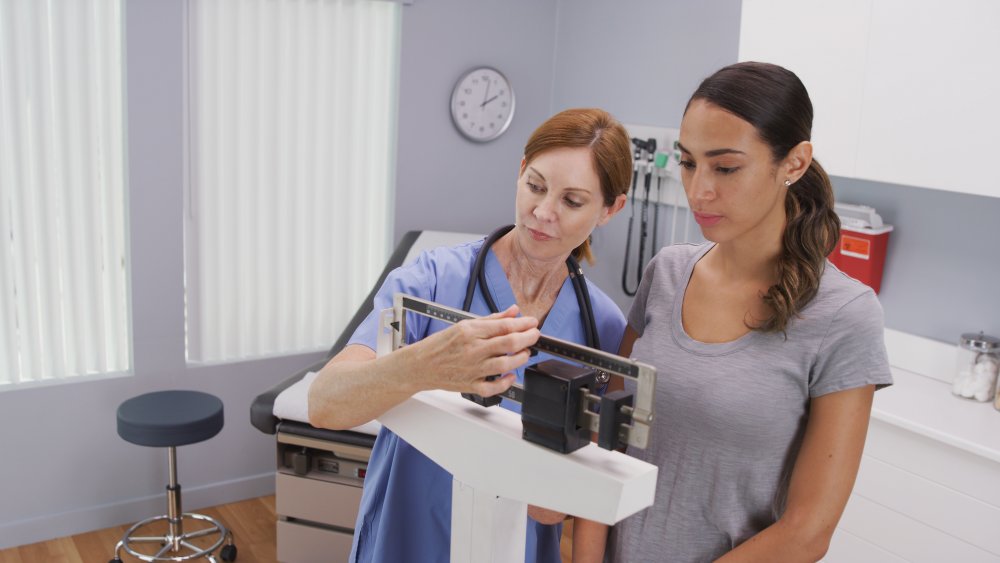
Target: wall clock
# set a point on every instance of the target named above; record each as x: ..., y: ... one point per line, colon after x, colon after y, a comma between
x: 482, y: 104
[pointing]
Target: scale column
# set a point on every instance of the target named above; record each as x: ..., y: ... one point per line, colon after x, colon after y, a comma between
x: 486, y: 528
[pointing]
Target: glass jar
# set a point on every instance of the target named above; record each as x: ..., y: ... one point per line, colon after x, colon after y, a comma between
x: 977, y: 367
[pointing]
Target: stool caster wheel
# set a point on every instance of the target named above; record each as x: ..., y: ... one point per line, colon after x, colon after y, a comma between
x: 115, y: 560
x: 228, y: 553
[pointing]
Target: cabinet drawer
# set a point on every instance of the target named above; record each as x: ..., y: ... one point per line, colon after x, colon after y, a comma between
x: 301, y: 543
x: 933, y: 504
x: 326, y: 502
x: 905, y: 537
x: 937, y: 461
x: 845, y: 547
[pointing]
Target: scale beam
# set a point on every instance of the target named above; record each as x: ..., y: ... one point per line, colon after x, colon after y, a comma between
x: 623, y: 422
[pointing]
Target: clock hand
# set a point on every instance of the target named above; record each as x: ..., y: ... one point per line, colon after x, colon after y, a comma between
x: 495, y: 96
x: 486, y: 94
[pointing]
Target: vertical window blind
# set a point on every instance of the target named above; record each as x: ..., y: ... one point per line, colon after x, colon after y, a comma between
x: 291, y: 136
x: 63, y: 285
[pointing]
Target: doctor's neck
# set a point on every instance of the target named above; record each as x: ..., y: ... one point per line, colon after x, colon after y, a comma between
x: 530, y: 277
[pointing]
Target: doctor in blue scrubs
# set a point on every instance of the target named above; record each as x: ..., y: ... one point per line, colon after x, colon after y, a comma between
x: 573, y: 178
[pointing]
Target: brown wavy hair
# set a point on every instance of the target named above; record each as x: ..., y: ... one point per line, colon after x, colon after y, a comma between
x: 775, y: 102
x: 609, y: 145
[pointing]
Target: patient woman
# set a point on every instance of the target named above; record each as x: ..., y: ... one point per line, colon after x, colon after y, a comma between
x: 573, y: 178
x: 767, y: 356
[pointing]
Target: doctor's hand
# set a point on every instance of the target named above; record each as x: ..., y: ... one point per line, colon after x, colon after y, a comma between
x: 460, y: 357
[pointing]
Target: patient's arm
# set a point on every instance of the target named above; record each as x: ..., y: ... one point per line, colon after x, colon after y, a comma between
x: 544, y: 515
x: 589, y: 540
x: 355, y: 387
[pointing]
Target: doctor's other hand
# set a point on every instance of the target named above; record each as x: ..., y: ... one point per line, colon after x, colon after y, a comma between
x: 460, y: 357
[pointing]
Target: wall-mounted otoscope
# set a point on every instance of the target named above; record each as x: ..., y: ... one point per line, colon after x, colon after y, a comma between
x: 660, y: 162
x: 643, y: 159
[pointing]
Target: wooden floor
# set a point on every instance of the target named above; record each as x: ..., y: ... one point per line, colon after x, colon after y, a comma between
x: 252, y: 522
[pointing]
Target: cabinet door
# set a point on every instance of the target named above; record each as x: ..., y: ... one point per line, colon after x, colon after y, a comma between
x: 904, y: 91
x: 825, y: 44
x: 931, y: 108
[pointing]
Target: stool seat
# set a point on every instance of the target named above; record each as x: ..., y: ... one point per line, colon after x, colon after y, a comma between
x: 170, y: 418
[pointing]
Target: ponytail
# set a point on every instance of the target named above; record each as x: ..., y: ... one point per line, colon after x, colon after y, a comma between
x: 583, y: 252
x: 810, y: 235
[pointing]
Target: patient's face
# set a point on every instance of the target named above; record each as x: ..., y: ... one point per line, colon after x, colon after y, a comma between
x: 559, y: 202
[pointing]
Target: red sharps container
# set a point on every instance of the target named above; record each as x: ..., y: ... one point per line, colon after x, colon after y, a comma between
x: 861, y: 249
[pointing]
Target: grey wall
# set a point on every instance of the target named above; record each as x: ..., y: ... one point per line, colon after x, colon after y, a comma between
x: 943, y: 265
x: 640, y: 60
x: 443, y: 181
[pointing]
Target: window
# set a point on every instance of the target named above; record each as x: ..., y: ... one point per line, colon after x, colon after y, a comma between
x: 63, y: 285
x: 291, y: 134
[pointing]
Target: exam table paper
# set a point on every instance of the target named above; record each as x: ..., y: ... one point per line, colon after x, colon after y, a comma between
x: 293, y: 404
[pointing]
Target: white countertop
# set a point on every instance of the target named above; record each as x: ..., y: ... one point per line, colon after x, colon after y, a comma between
x: 926, y: 406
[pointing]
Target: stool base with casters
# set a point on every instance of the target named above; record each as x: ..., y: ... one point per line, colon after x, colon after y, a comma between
x: 172, y: 418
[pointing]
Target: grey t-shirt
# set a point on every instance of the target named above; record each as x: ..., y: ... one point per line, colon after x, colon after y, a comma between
x: 730, y: 417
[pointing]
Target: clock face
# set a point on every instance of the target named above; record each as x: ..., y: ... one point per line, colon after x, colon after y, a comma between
x: 482, y: 104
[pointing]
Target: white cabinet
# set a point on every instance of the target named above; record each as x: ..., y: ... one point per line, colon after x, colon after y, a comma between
x: 904, y: 91
x: 928, y: 489
x: 828, y: 55
x: 919, y: 500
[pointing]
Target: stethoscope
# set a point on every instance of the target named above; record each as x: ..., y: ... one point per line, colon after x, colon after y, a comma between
x: 478, y: 276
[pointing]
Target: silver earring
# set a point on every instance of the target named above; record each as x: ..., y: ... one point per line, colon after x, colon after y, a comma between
x: 788, y: 183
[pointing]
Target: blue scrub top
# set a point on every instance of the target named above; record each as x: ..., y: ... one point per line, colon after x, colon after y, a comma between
x: 405, y: 512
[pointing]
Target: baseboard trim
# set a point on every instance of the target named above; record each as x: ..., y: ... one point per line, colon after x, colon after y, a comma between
x: 50, y: 526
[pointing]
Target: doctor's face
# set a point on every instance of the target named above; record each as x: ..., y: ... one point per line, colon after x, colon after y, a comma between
x: 559, y: 202
x: 730, y: 177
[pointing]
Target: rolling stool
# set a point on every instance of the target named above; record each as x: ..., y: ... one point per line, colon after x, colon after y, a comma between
x: 170, y: 419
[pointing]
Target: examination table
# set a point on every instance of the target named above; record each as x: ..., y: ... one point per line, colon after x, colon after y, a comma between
x: 320, y: 472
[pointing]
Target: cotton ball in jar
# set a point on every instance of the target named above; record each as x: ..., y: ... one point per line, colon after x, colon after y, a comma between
x: 962, y: 386
x: 984, y: 375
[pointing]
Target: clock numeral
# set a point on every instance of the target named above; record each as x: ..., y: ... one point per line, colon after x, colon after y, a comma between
x: 461, y: 103
x: 468, y: 90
